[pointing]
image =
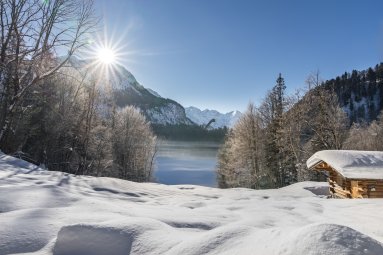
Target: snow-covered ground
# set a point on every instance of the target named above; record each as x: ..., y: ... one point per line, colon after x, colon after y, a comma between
x: 44, y: 212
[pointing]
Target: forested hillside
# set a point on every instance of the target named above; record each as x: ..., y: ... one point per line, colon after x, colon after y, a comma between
x: 360, y: 93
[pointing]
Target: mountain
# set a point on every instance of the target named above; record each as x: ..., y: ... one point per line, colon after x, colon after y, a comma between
x: 157, y: 109
x: 204, y: 117
x: 128, y: 91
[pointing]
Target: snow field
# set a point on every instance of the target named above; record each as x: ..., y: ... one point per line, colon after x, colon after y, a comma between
x: 43, y: 212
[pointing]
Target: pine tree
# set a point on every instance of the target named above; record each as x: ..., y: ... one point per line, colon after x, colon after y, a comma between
x: 371, y: 76
x: 274, y: 133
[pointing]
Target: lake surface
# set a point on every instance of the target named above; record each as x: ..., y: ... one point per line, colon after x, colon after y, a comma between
x: 186, y: 163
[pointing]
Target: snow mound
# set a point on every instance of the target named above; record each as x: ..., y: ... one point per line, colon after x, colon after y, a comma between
x: 332, y: 239
x: 129, y: 236
x: 8, y: 164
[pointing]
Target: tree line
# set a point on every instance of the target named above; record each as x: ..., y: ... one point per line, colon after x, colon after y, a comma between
x: 269, y: 145
x: 56, y: 113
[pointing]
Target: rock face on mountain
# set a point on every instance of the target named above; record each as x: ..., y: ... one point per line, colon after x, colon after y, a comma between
x: 157, y: 109
x: 168, y: 113
x: 204, y: 117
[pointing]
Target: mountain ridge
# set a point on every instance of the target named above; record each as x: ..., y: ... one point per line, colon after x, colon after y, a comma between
x: 204, y: 117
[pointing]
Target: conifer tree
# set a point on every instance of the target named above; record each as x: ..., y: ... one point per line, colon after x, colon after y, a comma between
x: 274, y: 150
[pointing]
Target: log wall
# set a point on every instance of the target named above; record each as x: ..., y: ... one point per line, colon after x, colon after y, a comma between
x: 342, y: 187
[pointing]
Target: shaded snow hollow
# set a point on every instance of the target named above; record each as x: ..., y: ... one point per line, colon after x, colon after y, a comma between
x: 44, y: 212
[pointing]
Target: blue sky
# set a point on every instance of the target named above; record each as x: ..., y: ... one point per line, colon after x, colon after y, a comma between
x: 221, y: 54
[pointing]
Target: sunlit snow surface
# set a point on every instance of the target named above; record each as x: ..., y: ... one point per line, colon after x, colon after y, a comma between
x: 44, y: 212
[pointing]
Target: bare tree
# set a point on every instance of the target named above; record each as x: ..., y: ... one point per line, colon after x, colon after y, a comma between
x: 33, y: 33
x: 241, y: 157
x: 315, y: 122
x: 58, y: 124
x: 366, y: 137
x: 326, y: 120
x: 133, y: 145
x: 294, y: 137
x: 313, y: 80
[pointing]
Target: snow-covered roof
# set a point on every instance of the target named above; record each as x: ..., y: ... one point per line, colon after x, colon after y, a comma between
x: 351, y: 164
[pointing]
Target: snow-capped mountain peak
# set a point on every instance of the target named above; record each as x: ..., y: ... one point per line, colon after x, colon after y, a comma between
x: 204, y: 117
x: 235, y: 113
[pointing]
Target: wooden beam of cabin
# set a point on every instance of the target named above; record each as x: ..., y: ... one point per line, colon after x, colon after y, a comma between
x: 339, y: 191
x: 355, y: 190
x: 338, y: 195
x: 323, y: 166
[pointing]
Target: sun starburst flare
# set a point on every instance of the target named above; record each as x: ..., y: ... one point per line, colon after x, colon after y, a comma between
x: 103, y: 61
x: 106, y: 56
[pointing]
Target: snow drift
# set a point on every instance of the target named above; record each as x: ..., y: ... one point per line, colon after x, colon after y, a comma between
x: 44, y: 212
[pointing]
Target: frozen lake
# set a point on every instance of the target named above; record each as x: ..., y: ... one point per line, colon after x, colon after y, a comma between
x: 186, y: 163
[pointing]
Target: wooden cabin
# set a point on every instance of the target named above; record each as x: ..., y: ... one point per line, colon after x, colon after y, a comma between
x: 351, y: 174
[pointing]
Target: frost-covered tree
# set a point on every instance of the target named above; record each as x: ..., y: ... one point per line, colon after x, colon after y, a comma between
x: 366, y: 137
x: 240, y: 159
x: 32, y: 33
x: 133, y: 145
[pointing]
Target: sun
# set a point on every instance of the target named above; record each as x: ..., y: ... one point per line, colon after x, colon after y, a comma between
x: 106, y: 56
